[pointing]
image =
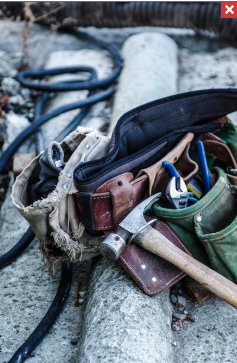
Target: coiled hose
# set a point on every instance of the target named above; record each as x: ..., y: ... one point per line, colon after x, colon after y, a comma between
x: 39, y: 119
x: 190, y: 15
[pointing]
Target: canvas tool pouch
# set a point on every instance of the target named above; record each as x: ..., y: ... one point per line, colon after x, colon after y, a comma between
x: 55, y: 217
x: 209, y: 227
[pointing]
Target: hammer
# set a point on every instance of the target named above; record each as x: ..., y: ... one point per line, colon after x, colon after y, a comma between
x: 135, y: 229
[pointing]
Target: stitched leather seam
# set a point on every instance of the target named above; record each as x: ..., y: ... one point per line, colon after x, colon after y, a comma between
x: 104, y: 227
x: 107, y: 196
x: 210, y: 137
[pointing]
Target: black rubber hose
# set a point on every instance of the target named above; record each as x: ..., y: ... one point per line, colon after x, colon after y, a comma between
x: 73, y: 124
x: 79, y: 85
x: 44, y: 118
x: 42, y: 329
x: 11, y: 255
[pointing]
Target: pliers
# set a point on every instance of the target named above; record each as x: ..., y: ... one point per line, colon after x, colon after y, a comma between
x: 204, y: 167
x: 176, y: 191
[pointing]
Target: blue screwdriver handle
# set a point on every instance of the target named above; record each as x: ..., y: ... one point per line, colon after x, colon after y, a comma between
x: 204, y: 167
x: 171, y: 169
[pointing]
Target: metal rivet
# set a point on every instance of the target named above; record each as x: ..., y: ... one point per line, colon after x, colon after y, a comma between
x: 69, y: 175
x: 198, y: 219
x: 143, y: 266
x: 96, y: 136
x: 153, y: 279
x: 87, y: 146
x: 65, y: 186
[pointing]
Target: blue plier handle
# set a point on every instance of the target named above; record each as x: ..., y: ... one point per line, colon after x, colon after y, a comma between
x: 171, y: 169
x: 204, y: 167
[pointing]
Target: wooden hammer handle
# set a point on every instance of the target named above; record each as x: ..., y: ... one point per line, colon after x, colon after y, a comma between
x: 158, y: 244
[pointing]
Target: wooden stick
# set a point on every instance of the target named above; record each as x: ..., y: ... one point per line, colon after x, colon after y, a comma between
x: 158, y: 244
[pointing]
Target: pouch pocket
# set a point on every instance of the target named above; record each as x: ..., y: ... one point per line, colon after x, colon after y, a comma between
x: 216, y: 228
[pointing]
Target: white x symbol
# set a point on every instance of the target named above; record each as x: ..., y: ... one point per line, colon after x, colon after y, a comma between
x: 229, y: 9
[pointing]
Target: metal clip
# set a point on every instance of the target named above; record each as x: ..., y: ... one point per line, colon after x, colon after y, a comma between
x: 231, y: 171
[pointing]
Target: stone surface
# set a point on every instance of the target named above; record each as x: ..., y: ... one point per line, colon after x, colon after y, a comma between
x: 20, y: 161
x: 10, y: 86
x: 150, y: 72
x: 7, y: 65
x: 12, y: 126
x: 204, y: 70
x: 211, y: 338
x: 121, y: 323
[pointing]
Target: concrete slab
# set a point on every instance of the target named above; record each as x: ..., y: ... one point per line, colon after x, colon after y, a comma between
x: 150, y: 72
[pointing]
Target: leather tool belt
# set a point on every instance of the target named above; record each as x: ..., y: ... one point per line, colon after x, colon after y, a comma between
x: 144, y: 135
x: 112, y: 176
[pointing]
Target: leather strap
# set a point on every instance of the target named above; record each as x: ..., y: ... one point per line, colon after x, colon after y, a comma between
x: 114, y: 199
x: 152, y: 274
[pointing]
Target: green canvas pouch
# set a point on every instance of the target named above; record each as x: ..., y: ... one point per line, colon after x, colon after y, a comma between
x: 228, y: 134
x: 208, y: 227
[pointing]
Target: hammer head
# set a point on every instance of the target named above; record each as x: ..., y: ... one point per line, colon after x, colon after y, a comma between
x: 115, y: 244
x: 135, y: 219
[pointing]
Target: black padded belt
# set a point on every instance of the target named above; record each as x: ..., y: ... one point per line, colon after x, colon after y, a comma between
x: 145, y: 134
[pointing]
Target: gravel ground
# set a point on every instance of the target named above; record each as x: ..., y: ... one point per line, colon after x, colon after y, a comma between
x: 27, y: 290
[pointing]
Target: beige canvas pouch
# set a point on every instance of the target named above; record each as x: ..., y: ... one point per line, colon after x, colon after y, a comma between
x: 55, y: 219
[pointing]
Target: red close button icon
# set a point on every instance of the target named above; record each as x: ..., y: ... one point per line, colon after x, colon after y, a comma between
x: 229, y: 9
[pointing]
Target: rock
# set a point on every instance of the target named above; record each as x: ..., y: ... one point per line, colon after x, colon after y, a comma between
x: 182, y: 301
x: 193, y: 318
x: 173, y: 299
x: 74, y: 341
x: 17, y: 100
x: 20, y: 161
x: 25, y: 92
x: 6, y: 65
x: 10, y: 86
x: 120, y: 319
x: 179, y: 323
x: 199, y: 335
x: 82, y: 293
x: 30, y: 105
x: 149, y: 72
x: 174, y: 344
x: 174, y: 327
x: 12, y: 126
x: 179, y: 316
